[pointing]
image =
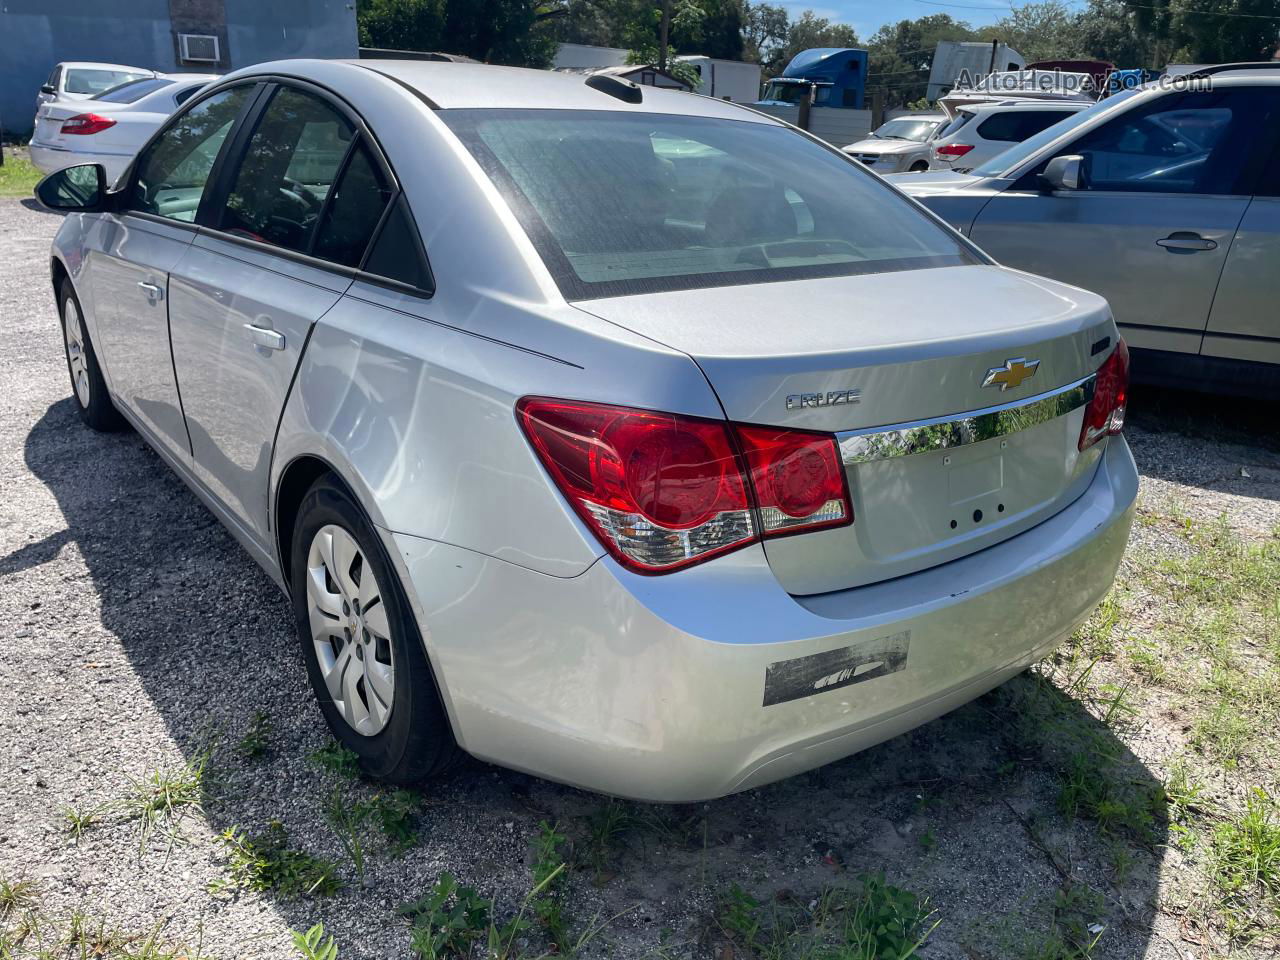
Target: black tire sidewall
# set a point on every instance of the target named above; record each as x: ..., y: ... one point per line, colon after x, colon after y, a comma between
x: 417, y: 739
x: 101, y: 413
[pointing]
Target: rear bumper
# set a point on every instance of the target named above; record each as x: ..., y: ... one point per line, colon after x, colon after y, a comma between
x: 656, y: 687
x: 50, y: 159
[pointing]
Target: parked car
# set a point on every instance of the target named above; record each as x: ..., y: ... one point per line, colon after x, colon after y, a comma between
x: 74, y: 80
x: 980, y: 131
x: 109, y: 128
x: 899, y: 144
x: 598, y: 430
x: 1164, y: 200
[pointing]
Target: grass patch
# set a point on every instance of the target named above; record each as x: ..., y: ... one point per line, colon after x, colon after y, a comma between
x: 77, y: 821
x: 16, y: 895
x: 1246, y: 856
x: 81, y: 936
x: 163, y: 797
x: 868, y: 920
x: 267, y: 864
x: 338, y: 759
x: 18, y: 178
x: 256, y: 740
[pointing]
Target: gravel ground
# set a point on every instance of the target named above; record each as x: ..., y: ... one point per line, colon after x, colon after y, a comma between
x: 137, y: 635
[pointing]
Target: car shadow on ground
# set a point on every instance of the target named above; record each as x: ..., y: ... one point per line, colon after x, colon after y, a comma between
x: 1022, y: 817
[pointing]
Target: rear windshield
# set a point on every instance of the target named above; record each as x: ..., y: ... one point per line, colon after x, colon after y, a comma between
x: 619, y: 204
x: 133, y: 91
x: 93, y: 82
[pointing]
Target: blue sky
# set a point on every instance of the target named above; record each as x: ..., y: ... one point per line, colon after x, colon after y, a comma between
x: 866, y: 16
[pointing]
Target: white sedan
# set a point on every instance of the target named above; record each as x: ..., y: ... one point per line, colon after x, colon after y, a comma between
x: 111, y: 127
x: 76, y: 80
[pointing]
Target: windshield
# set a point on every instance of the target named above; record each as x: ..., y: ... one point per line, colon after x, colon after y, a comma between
x: 905, y: 128
x: 630, y: 203
x: 1005, y: 161
x: 133, y: 91
x: 93, y: 82
x: 785, y: 92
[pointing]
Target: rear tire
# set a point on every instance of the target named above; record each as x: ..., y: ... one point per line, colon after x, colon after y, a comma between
x: 88, y: 389
x: 362, y: 648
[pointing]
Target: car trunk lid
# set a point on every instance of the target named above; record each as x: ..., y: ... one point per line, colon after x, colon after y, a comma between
x: 894, y: 364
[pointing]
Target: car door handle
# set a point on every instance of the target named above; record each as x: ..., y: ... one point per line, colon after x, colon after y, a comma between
x: 154, y: 292
x: 265, y: 337
x: 1187, y: 241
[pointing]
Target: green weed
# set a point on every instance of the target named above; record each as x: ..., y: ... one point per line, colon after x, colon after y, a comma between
x: 266, y: 864
x: 312, y: 945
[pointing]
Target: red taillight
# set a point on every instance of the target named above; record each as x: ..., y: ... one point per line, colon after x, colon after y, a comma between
x: 86, y: 123
x: 1104, y: 416
x: 954, y: 149
x: 663, y: 491
x: 797, y: 477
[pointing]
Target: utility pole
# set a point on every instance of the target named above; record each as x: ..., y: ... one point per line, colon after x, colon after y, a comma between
x: 664, y: 32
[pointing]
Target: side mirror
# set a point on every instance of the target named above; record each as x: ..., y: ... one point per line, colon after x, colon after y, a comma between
x: 47, y: 88
x: 1069, y: 172
x: 78, y: 189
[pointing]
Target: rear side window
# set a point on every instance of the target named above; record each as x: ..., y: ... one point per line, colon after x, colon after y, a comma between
x: 1015, y: 126
x: 397, y: 253
x: 289, y: 167
x: 955, y: 123
x: 354, y: 210
x: 621, y: 203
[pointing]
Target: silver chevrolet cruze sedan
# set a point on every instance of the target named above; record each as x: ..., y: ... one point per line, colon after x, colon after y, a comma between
x: 614, y: 434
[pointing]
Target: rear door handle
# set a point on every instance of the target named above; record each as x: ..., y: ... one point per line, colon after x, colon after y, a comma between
x: 154, y: 292
x: 265, y: 337
x: 1185, y: 240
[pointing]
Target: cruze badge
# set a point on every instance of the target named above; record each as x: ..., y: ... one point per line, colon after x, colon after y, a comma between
x: 832, y: 398
x: 1011, y: 374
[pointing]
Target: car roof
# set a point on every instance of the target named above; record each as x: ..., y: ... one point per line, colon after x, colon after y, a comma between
x: 1069, y: 105
x: 456, y: 86
x: 94, y: 65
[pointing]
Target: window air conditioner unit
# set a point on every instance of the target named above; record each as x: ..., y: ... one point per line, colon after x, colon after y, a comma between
x: 198, y: 48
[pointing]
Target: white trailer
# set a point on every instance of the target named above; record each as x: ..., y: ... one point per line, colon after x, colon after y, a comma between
x: 976, y: 59
x: 726, y: 79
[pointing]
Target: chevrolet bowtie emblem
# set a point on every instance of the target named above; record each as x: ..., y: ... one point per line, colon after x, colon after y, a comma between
x: 1011, y: 374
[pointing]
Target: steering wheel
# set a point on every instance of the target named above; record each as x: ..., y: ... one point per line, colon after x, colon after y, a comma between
x: 296, y: 191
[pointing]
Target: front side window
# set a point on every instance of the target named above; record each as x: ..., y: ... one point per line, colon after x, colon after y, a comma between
x: 289, y: 167
x: 1192, y: 142
x: 628, y: 203
x: 95, y: 81
x: 172, y: 173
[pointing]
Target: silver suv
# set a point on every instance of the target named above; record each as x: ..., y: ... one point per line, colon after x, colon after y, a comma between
x: 1165, y: 200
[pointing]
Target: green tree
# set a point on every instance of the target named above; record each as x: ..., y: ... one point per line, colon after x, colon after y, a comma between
x: 810, y: 30
x: 764, y: 34
x: 902, y: 55
x: 509, y: 32
x: 1040, y: 31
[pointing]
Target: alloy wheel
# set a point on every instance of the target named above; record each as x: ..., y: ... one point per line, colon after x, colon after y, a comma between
x: 76, y: 359
x: 350, y: 630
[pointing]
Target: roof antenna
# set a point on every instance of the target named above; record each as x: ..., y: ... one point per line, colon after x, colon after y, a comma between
x: 624, y: 90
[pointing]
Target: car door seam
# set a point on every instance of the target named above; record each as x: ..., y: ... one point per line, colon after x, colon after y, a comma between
x: 1222, y: 268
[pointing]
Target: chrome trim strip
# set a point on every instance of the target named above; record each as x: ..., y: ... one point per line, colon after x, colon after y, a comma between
x: 921, y: 436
